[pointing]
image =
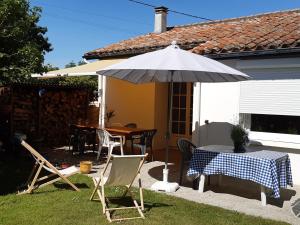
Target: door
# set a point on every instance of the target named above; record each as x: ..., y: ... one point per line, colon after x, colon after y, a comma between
x: 182, y: 111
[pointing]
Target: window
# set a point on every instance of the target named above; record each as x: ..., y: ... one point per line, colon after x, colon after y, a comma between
x: 182, y: 110
x: 275, y: 123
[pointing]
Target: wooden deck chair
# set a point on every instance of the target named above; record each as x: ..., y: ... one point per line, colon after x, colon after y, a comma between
x: 124, y: 170
x: 34, y: 181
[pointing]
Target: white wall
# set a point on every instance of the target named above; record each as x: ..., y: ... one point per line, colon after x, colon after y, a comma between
x: 276, y: 139
x: 219, y: 103
x: 295, y: 164
x: 220, y: 106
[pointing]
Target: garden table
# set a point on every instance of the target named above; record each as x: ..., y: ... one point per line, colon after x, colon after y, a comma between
x: 83, y: 132
x: 270, y: 169
x: 128, y: 132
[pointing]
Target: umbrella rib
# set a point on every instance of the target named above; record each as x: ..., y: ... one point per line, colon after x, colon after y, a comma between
x: 153, y: 77
x: 210, y: 77
x: 195, y: 75
x: 234, y: 77
x: 222, y: 76
x: 156, y: 76
x: 141, y: 76
x: 127, y: 75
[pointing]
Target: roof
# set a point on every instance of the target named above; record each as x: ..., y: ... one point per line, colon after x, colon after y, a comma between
x: 270, y: 31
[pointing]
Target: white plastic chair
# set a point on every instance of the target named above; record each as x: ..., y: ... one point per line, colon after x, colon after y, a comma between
x: 124, y: 170
x: 109, y: 141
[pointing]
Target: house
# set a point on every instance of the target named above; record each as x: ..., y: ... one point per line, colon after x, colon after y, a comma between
x: 265, y: 46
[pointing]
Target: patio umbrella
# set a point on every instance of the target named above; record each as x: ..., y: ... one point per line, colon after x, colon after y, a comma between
x: 171, y: 64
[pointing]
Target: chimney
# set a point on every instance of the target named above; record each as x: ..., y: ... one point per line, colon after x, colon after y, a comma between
x: 160, y: 23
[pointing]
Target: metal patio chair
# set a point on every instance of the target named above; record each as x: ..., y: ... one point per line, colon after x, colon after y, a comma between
x: 145, y: 141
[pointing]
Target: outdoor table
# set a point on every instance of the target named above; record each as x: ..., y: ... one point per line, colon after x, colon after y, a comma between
x: 88, y: 128
x: 270, y: 169
x: 128, y: 132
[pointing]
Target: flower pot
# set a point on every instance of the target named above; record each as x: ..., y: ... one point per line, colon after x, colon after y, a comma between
x: 239, y: 148
x: 64, y: 165
x: 85, y: 167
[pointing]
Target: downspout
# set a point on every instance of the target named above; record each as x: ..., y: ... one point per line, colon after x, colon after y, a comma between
x: 196, y: 114
x: 101, y: 99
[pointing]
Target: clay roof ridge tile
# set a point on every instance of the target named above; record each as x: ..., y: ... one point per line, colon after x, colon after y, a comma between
x: 236, y: 19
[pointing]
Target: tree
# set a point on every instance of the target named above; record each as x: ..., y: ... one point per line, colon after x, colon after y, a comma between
x: 50, y: 67
x: 81, y: 62
x: 70, y: 64
x: 90, y: 81
x: 22, y: 41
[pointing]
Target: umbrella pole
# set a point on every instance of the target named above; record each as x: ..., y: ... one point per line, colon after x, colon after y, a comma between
x: 169, y: 129
x: 165, y: 185
x: 169, y: 125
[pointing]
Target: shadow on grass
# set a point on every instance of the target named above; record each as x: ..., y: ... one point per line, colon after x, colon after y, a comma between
x: 149, y: 205
x: 117, y: 202
x: 14, y: 171
x: 127, y: 201
x: 66, y: 186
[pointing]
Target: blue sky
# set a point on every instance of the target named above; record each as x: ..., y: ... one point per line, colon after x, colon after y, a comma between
x: 78, y: 26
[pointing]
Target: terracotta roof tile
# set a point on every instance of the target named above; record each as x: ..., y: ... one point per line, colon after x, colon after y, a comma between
x: 276, y: 30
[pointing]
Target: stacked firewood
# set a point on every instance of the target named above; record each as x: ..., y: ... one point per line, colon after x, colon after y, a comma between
x: 59, y: 109
x: 24, y: 104
x: 44, y: 114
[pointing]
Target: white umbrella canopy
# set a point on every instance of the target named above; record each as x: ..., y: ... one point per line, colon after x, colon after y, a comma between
x: 172, y: 64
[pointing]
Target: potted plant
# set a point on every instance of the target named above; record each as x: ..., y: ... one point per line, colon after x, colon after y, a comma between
x: 239, y: 137
x: 109, y: 114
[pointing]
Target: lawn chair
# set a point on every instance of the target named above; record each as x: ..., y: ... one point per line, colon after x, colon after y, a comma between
x: 124, y: 170
x: 34, y: 181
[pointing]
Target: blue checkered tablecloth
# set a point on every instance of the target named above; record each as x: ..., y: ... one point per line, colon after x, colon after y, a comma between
x: 268, y: 168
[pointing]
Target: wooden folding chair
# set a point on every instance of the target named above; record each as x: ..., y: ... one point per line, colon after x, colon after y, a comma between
x: 124, y: 170
x: 34, y: 181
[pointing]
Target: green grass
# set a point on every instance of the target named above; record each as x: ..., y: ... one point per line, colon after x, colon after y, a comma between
x: 57, y: 204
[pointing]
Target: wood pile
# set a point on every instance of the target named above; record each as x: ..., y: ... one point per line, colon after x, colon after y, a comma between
x: 24, y: 105
x: 58, y: 110
x: 44, y: 113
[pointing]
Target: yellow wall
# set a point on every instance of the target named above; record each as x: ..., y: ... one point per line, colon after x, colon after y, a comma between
x: 143, y: 104
x: 132, y: 103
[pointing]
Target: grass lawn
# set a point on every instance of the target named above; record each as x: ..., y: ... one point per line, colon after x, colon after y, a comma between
x: 57, y: 204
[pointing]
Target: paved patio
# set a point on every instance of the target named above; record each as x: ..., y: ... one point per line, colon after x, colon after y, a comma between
x: 233, y: 194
